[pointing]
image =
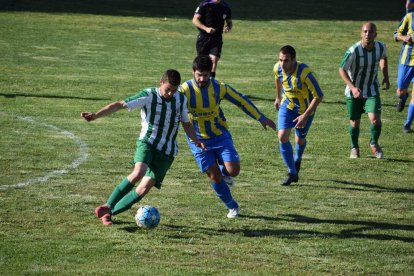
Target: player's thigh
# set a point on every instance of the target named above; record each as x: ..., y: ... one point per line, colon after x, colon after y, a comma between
x: 143, y: 153
x: 226, y: 151
x: 405, y: 76
x: 202, y: 44
x: 373, y: 105
x: 215, y: 46
x: 285, y: 118
x: 159, y: 167
x: 301, y: 133
x: 230, y: 158
x: 355, y: 108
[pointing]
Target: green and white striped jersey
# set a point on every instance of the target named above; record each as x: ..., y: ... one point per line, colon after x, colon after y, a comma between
x: 160, y: 119
x: 362, y: 68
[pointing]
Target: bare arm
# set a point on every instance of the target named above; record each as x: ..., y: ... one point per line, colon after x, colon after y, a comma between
x: 356, y: 92
x: 229, y: 25
x: 278, y: 98
x: 408, y: 5
x: 197, y: 22
x: 104, y: 111
x: 384, y: 68
x: 189, y: 130
x: 404, y: 38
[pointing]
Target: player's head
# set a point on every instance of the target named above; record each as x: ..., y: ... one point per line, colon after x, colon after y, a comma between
x: 368, y: 33
x: 287, y: 58
x: 169, y: 83
x: 202, y: 66
x: 172, y: 77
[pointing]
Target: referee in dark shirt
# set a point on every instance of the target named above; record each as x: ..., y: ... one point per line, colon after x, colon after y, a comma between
x: 212, y: 18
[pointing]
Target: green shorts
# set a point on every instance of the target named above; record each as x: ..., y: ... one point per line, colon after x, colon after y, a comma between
x: 357, y: 107
x: 158, y: 163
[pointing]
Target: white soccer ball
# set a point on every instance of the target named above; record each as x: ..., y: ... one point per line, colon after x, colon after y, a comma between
x: 147, y: 217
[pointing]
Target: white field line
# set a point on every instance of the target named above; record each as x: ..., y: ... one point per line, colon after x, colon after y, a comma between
x: 83, y: 156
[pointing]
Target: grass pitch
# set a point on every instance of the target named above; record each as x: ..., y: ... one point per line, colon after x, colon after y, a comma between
x: 343, y: 217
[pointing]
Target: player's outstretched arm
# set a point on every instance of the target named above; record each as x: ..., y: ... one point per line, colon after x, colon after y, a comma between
x: 104, y: 111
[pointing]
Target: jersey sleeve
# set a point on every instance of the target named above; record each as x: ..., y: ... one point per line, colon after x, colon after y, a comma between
x: 313, y: 86
x: 138, y: 100
x: 403, y: 26
x: 384, y: 52
x: 347, y: 60
x: 276, y: 70
x: 184, y: 112
x: 200, y: 10
x: 243, y: 103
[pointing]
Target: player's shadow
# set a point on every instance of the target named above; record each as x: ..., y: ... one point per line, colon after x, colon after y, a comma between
x: 359, y: 186
x: 28, y: 95
x: 359, y: 232
x: 362, y: 227
x: 130, y: 229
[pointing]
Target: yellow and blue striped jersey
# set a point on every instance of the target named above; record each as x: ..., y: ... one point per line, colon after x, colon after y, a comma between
x: 298, y: 88
x: 204, y: 106
x: 406, y: 28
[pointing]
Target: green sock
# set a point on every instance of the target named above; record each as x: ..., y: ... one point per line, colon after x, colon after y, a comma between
x: 375, y: 133
x: 354, y: 132
x: 126, y: 202
x: 119, y: 192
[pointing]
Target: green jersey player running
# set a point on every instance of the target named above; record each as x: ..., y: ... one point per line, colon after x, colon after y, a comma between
x: 162, y: 109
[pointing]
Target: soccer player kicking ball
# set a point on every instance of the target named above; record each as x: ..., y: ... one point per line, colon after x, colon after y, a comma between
x: 297, y: 96
x: 162, y: 109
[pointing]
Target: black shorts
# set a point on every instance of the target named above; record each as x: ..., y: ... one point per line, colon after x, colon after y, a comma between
x: 209, y: 45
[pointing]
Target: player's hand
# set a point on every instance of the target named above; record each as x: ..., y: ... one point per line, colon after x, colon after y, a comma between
x: 407, y: 39
x: 88, y: 116
x: 268, y: 123
x: 210, y: 30
x: 276, y: 104
x: 386, y: 84
x: 200, y: 145
x: 356, y: 92
x: 301, y: 121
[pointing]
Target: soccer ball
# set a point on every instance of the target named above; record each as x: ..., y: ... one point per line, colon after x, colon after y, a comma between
x: 147, y: 217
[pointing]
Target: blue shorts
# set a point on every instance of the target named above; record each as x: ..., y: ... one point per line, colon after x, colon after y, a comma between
x: 405, y: 76
x: 218, y: 150
x: 285, y: 121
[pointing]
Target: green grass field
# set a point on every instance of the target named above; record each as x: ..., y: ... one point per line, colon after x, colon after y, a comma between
x: 343, y: 217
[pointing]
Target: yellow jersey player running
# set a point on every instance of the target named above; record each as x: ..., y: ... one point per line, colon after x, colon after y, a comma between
x: 220, y: 160
x: 298, y: 95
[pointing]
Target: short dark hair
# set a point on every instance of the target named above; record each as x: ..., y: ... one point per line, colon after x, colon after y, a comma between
x: 172, y: 77
x: 202, y: 63
x: 288, y: 50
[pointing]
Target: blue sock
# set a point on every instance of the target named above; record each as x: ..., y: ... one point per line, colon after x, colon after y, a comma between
x: 410, y: 115
x: 299, y: 151
x: 287, y: 155
x: 223, y: 192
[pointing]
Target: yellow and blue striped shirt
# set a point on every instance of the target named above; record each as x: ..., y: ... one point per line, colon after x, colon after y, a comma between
x: 204, y: 106
x: 298, y: 88
x: 406, y: 28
